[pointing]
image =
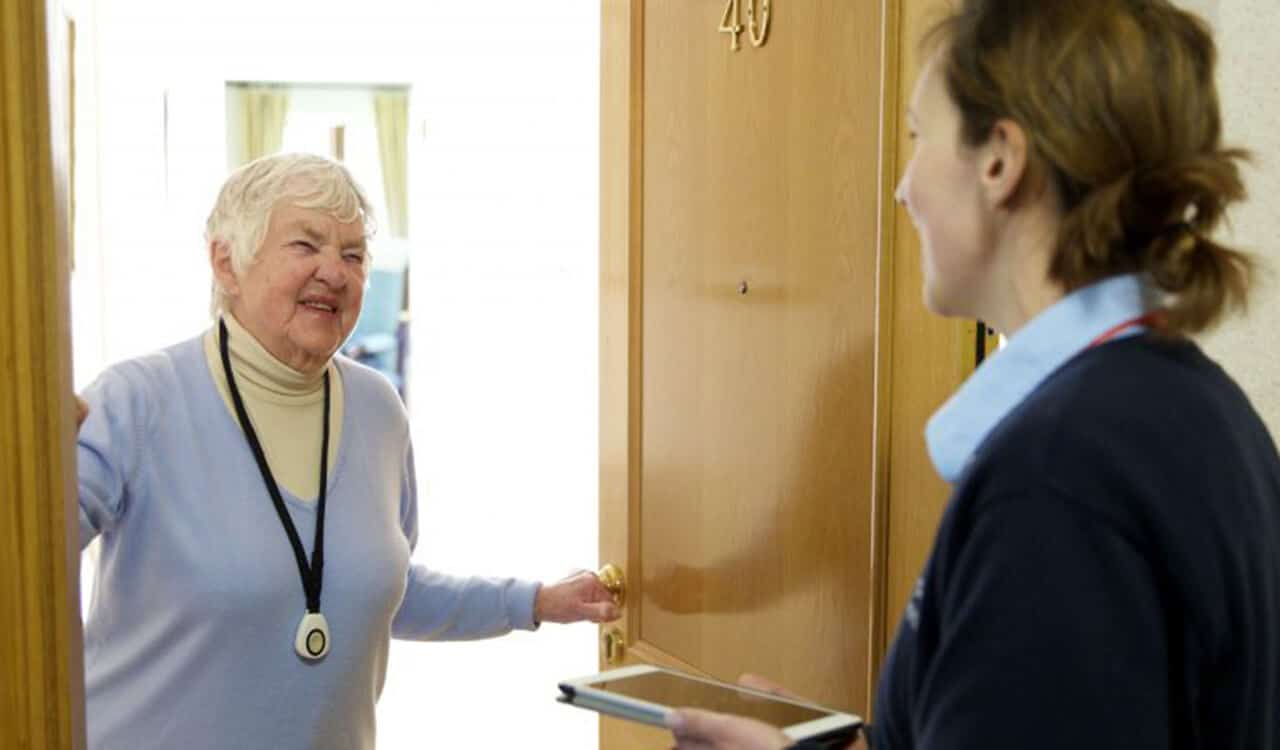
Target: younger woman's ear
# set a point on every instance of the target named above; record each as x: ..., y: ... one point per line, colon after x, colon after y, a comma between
x: 1003, y: 163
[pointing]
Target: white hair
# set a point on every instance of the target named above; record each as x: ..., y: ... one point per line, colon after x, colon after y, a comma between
x: 243, y: 209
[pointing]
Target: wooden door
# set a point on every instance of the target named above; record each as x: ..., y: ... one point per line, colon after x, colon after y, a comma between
x: 41, y: 680
x: 766, y: 364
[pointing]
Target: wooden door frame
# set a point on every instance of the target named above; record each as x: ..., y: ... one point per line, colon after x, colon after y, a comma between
x: 920, y: 358
x: 41, y: 674
x: 621, y: 274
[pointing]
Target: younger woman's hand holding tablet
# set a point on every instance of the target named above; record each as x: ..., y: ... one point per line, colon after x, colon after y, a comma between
x: 704, y: 713
x: 696, y: 729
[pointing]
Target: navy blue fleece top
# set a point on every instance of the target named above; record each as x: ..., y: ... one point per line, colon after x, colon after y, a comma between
x: 1107, y: 571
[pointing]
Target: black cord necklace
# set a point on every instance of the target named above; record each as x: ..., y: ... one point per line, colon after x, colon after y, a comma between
x: 312, y: 638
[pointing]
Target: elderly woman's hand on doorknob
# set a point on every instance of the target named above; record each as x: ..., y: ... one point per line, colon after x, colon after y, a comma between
x: 579, y: 597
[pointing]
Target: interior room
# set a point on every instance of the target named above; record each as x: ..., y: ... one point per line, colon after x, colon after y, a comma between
x: 655, y: 288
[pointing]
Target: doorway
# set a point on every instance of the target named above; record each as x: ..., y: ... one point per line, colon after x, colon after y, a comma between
x: 502, y: 239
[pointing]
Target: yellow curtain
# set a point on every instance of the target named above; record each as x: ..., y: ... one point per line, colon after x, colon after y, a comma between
x: 261, y: 113
x: 391, y: 112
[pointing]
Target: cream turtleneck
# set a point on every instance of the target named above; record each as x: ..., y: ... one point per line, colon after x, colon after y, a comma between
x: 285, y: 406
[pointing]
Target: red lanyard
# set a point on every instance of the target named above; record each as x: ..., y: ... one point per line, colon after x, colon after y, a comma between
x: 1151, y: 320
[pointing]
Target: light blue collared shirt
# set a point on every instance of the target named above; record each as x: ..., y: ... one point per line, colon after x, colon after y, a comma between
x: 1034, y: 353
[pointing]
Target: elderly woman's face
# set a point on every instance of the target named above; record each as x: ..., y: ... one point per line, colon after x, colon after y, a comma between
x: 301, y: 296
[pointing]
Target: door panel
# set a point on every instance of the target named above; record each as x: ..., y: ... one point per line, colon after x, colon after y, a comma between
x: 744, y: 456
x: 759, y: 273
x: 766, y: 364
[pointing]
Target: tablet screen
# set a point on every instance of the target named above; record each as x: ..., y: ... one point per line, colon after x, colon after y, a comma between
x: 672, y: 690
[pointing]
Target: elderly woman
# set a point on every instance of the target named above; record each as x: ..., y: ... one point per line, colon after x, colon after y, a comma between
x: 1107, y: 571
x: 254, y: 496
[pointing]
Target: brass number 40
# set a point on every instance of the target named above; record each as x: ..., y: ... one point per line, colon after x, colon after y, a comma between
x: 757, y: 26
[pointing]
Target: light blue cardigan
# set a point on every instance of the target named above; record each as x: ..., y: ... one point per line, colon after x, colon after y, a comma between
x: 189, y: 637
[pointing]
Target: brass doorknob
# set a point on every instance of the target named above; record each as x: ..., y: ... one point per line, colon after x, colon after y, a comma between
x: 614, y: 580
x: 613, y: 645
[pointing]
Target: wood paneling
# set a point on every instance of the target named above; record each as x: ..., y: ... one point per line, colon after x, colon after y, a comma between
x: 619, y: 274
x: 621, y: 154
x: 41, y: 678
x: 760, y: 211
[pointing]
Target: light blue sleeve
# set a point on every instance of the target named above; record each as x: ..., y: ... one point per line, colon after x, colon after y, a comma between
x: 440, y: 607
x: 108, y: 448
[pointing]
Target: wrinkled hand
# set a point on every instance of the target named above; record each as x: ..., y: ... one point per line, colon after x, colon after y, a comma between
x: 82, y: 411
x: 579, y: 597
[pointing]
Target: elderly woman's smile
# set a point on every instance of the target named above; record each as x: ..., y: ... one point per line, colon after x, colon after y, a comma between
x: 321, y: 303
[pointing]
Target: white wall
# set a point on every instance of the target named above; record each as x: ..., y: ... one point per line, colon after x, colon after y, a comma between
x: 505, y: 369
x: 503, y: 184
x: 1246, y: 32
x: 139, y: 275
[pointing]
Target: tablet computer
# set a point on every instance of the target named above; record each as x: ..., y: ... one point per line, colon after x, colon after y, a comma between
x: 646, y: 694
